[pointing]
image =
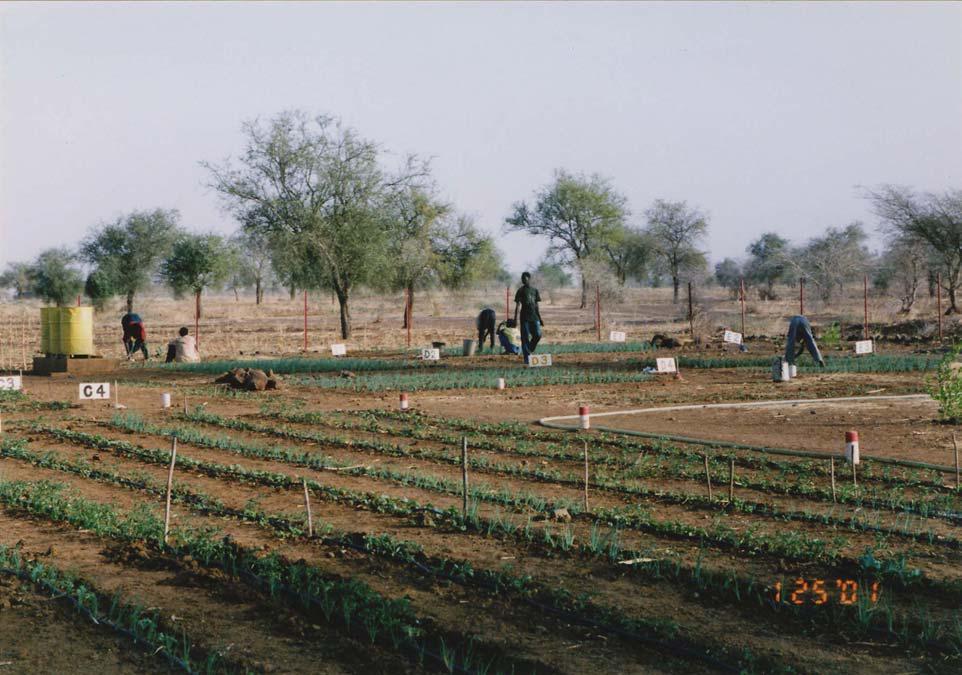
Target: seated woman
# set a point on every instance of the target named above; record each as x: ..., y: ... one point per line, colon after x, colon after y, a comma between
x: 509, y: 336
x: 183, y: 349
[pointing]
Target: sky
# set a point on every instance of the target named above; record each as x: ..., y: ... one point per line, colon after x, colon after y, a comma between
x: 767, y: 116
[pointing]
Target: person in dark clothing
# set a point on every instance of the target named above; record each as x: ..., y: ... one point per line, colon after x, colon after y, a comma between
x: 485, y: 323
x: 526, y: 300
x: 135, y: 335
x: 800, y: 331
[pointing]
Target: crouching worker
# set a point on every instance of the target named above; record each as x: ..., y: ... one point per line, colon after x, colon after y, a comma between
x: 485, y: 324
x: 510, y: 337
x: 183, y: 349
x: 800, y: 331
x: 135, y: 335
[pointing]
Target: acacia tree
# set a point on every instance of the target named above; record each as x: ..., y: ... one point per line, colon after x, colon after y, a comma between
x: 198, y: 262
x: 54, y: 277
x: 254, y: 259
x: 127, y: 252
x: 904, y: 266
x: 768, y: 263
x: 676, y: 230
x: 728, y: 274
x: 17, y: 277
x: 320, y: 189
x: 629, y: 252
x: 935, y: 219
x: 831, y: 260
x: 577, y: 214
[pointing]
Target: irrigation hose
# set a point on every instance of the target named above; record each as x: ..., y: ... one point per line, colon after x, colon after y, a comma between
x: 553, y: 423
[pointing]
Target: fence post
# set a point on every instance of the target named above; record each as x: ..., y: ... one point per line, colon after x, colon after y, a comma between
x: 801, y: 296
x: 707, y: 476
x: 305, y: 319
x: 408, y: 312
x: 691, y: 314
x: 832, y: 473
x: 955, y: 444
x: 586, y: 474
x: 307, y: 505
x: 741, y: 287
x: 197, y: 319
x: 598, y: 310
x: 464, y: 476
x: 507, y: 300
x: 938, y: 295
x: 170, y: 486
x: 865, y: 292
x: 731, y: 480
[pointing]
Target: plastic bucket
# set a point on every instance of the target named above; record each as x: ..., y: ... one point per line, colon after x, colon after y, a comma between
x: 468, y: 348
x: 165, y: 400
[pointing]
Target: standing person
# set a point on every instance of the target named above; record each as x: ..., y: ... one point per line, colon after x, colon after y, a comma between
x: 183, y: 349
x: 526, y: 300
x: 485, y: 324
x: 135, y: 335
x: 800, y: 330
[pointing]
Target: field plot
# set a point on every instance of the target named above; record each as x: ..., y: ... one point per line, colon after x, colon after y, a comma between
x: 779, y: 566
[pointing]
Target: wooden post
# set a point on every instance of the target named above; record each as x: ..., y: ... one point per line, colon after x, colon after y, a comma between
x: 586, y: 475
x: 78, y: 300
x: 305, y: 319
x: 691, y: 314
x: 598, y: 311
x: 170, y: 486
x: 741, y: 288
x: 1, y: 422
x: 464, y: 476
x: 116, y: 395
x: 708, y: 477
x: 731, y: 480
x: 197, y: 319
x: 185, y: 404
x: 955, y: 444
x: 801, y: 296
x: 407, y: 312
x: 507, y: 300
x: 307, y: 506
x: 865, y: 293
x: 854, y: 474
x: 832, y: 473
x: 938, y: 296
x: 23, y: 338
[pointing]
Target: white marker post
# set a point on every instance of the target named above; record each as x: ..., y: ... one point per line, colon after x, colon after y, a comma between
x: 667, y: 365
x: 95, y: 391
x: 431, y: 354
x: 404, y: 402
x: 864, y: 347
x: 501, y: 383
x: 616, y: 336
x: 539, y: 360
x: 339, y: 349
x: 851, y: 447
x: 583, y: 413
x: 732, y: 337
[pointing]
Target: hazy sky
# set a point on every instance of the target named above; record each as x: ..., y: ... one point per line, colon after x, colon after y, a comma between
x: 767, y: 116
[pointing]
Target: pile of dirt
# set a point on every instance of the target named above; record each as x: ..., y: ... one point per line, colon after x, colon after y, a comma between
x: 249, y: 379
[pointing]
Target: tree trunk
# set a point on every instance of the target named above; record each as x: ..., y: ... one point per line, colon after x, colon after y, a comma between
x: 675, y: 283
x: 293, y: 291
x: 952, y: 308
x: 408, y: 305
x: 197, y: 301
x: 258, y: 292
x: 584, y: 291
x: 342, y: 298
x: 130, y: 301
x: 236, y: 295
x: 932, y: 283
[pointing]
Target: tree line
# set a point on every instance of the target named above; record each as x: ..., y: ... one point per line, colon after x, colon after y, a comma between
x: 319, y: 208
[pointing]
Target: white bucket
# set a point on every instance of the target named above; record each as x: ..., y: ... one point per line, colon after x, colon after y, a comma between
x: 501, y: 384
x: 468, y: 348
x: 165, y: 400
x: 792, y: 370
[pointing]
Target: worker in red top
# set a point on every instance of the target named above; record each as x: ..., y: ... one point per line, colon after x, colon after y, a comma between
x: 135, y: 335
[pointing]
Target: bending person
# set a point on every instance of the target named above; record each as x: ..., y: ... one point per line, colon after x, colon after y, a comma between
x: 800, y: 331
x: 485, y: 325
x: 135, y: 335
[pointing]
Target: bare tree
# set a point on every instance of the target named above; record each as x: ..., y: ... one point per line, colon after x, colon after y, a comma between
x: 831, y: 260
x: 903, y: 267
x: 676, y: 230
x: 934, y: 218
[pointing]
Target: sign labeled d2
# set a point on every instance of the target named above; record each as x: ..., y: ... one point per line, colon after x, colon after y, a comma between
x: 95, y: 391
x: 539, y: 360
x: 733, y: 337
x: 339, y: 349
x: 11, y: 383
x: 616, y: 336
x: 431, y: 354
x: 864, y: 347
x: 666, y: 365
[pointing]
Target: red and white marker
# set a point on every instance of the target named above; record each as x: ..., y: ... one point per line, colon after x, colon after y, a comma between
x: 585, y: 420
x: 501, y: 384
x: 404, y: 401
x: 851, y: 447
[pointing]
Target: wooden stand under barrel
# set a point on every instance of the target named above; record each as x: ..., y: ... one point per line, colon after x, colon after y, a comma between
x: 66, y: 339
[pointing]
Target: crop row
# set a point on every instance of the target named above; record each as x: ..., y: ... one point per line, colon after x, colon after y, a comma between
x: 714, y: 584
x: 786, y: 544
x: 871, y: 363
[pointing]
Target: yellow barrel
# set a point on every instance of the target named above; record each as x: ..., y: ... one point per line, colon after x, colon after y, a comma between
x: 76, y: 331
x: 44, y: 330
x: 53, y: 330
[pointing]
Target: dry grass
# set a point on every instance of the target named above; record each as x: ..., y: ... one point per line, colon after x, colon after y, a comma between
x: 231, y: 327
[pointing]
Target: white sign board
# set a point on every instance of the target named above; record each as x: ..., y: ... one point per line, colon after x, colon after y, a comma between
x: 617, y: 336
x: 10, y: 382
x: 539, y: 360
x: 339, y: 349
x: 430, y: 354
x: 733, y: 337
x: 95, y: 391
x: 667, y: 365
x: 864, y: 347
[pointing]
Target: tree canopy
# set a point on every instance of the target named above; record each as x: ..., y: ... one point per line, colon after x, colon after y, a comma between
x: 55, y: 277
x: 676, y: 231
x: 198, y: 262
